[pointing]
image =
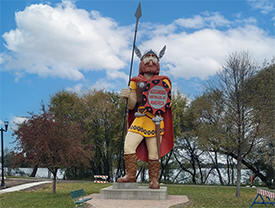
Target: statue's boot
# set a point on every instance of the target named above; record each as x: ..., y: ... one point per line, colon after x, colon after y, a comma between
x: 131, y: 169
x: 153, y: 166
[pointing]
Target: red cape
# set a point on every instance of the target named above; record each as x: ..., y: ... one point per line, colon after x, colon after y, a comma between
x: 167, y: 142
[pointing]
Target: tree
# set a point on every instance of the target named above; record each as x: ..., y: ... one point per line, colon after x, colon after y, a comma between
x: 50, y: 142
x: 99, y: 115
x: 213, y: 129
x: 187, y: 152
x: 69, y: 106
x: 8, y: 157
x: 168, y: 163
x: 237, y: 129
x: 262, y: 100
x: 208, y: 110
x: 188, y: 148
x: 103, y: 124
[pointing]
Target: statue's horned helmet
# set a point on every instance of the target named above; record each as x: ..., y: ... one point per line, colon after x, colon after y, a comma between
x: 153, y: 69
x: 161, y: 53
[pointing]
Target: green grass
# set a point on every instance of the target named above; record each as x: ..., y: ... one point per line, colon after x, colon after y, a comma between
x: 44, y: 198
x: 214, y: 196
x: 200, y: 196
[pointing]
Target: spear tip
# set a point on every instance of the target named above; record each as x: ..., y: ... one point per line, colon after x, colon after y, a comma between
x: 138, y: 13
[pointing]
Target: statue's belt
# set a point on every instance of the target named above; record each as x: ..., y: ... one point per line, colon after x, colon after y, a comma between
x: 143, y: 112
x: 157, y: 119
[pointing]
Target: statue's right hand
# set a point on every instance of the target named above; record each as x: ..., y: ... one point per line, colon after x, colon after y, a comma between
x: 125, y: 92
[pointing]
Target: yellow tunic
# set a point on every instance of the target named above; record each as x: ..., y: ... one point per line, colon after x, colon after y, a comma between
x: 144, y: 125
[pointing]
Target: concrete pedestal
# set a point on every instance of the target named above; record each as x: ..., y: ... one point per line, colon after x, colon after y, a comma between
x: 132, y: 191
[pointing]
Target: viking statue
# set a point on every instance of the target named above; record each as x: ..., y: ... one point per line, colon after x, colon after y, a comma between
x: 150, y: 127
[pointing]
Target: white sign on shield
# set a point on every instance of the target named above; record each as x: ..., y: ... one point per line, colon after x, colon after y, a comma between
x: 157, y: 97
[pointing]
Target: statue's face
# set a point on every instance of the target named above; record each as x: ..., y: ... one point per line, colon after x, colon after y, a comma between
x: 149, y: 64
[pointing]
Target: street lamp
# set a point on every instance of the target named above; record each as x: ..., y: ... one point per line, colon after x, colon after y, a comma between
x: 6, y: 123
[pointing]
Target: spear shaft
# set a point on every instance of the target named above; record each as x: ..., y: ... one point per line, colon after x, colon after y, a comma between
x: 137, y: 15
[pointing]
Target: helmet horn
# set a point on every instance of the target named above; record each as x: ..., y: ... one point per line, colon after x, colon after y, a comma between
x: 162, y: 52
x: 138, y: 53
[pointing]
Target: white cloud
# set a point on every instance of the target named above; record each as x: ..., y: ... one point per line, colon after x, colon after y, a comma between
x: 2, y: 123
x: 17, y: 120
x: 207, y: 19
x: 1, y: 58
x: 117, y: 74
x: 64, y: 41
x: 78, y: 88
x: 102, y: 84
x: 216, y: 20
x: 195, y: 22
x: 202, y: 52
x: 265, y: 6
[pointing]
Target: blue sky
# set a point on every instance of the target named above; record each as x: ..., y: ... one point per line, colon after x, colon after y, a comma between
x: 48, y: 46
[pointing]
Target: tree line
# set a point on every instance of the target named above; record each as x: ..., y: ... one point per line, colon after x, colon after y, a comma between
x: 233, y: 118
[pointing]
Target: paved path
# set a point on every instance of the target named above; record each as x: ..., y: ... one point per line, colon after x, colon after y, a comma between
x: 172, y: 200
x: 23, y: 186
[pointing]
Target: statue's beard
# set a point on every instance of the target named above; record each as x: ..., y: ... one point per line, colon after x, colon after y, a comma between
x: 151, y: 69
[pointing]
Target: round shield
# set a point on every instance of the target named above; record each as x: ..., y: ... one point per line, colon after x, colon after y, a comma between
x: 156, y: 97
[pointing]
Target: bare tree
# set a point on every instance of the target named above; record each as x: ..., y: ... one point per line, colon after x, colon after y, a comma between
x: 241, y: 128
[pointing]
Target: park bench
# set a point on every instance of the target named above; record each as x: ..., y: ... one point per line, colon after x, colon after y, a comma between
x: 270, y: 196
x: 78, y: 198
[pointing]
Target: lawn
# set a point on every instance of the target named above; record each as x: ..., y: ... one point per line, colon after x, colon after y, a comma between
x: 215, y: 196
x: 200, y: 196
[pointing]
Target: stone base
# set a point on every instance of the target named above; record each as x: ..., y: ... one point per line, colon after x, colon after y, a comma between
x: 125, y: 185
x: 132, y: 191
x: 172, y: 201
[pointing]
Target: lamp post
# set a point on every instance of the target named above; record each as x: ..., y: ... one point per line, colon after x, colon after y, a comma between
x: 6, y: 123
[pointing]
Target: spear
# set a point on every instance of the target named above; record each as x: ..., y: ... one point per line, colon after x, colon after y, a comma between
x: 137, y: 15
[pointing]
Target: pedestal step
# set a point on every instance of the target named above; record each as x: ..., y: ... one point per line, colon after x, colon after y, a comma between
x: 132, y: 191
x: 125, y: 185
